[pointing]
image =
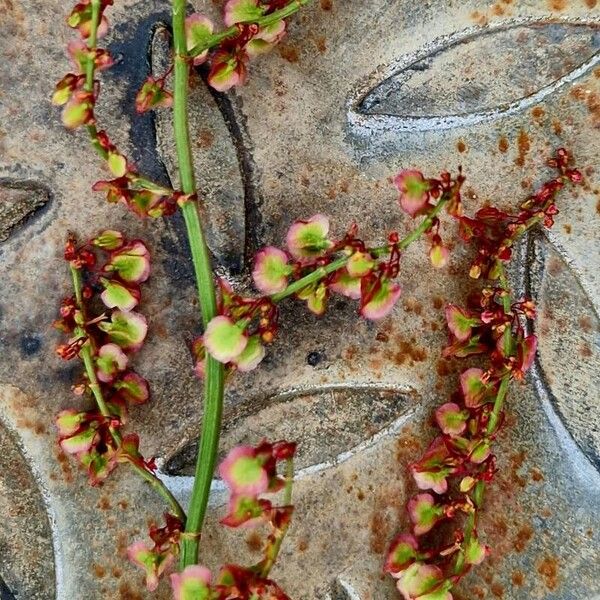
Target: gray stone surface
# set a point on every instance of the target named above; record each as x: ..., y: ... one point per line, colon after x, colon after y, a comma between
x: 354, y: 93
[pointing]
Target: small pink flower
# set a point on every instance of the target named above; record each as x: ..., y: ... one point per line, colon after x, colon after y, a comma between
x: 271, y: 270
x: 223, y: 339
x: 309, y: 239
x: 198, y: 30
x: 414, y: 191
x: 451, y: 419
x: 192, y: 582
x: 382, y: 301
x: 243, y: 472
x: 473, y: 387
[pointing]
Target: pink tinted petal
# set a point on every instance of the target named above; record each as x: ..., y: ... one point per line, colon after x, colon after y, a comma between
x: 271, y: 270
x: 472, y: 385
x: 306, y: 239
x: 243, y: 456
x: 530, y: 344
x: 382, y: 302
x: 450, y: 419
x: 401, y: 553
x: 439, y: 256
x: 224, y: 340
x: 458, y: 322
x: 193, y: 572
x: 413, y: 189
x: 346, y: 285
x: 427, y: 480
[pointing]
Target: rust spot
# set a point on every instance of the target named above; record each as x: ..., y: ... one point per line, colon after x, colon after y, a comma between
x: 461, y: 146
x: 556, y: 125
x: 326, y: 4
x: 538, y: 113
x: 289, y: 53
x: 437, y: 302
x: 568, y: 229
x: 537, y: 475
x: 205, y: 139
x: 585, y: 351
x: 591, y: 3
x: 557, y: 4
x: 123, y: 504
x: 548, y: 569
x: 104, y: 503
x: 478, y: 592
x: 443, y: 368
x: 254, y: 541
x: 360, y: 495
x: 497, y: 590
x: 498, y: 10
x: 126, y: 593
x: 116, y: 572
x: 524, y: 535
x: 302, y: 545
x: 585, y: 323
x: 351, y: 352
x: 517, y: 578
x: 518, y: 459
x: 503, y: 144
x: 524, y: 146
x: 379, y: 533
x: 382, y: 337
x: 321, y: 44
x: 99, y: 571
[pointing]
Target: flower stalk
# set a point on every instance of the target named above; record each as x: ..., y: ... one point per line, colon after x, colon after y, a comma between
x: 214, y: 381
x: 88, y: 361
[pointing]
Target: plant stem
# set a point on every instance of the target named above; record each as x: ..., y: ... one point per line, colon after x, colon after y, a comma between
x: 322, y: 272
x: 215, y: 374
x: 88, y: 361
x: 217, y: 38
x: 273, y: 552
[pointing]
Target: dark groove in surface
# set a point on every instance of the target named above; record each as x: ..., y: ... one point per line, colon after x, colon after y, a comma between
x: 5, y: 593
x: 230, y: 108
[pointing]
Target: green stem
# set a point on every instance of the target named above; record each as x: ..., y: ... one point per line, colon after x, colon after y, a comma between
x: 88, y: 361
x: 498, y: 405
x: 322, y: 272
x: 215, y: 373
x: 274, y: 549
x: 233, y: 31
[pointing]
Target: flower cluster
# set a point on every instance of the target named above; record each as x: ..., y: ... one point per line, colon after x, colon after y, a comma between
x: 249, y: 472
x: 105, y: 331
x: 78, y: 91
x: 495, y: 231
x: 312, y: 266
x: 459, y: 463
x: 156, y: 559
x: 228, y: 59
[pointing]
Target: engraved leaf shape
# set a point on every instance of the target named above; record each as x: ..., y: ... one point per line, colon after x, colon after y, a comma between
x: 568, y: 330
x: 221, y: 160
x: 350, y: 418
x: 477, y: 75
x: 19, y: 202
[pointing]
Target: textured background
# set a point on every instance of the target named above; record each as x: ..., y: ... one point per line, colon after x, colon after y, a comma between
x: 357, y: 91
